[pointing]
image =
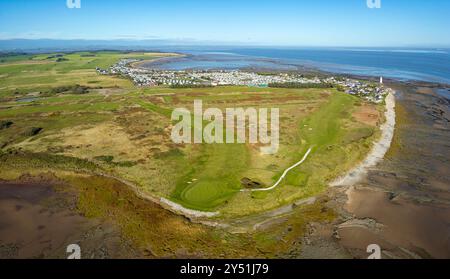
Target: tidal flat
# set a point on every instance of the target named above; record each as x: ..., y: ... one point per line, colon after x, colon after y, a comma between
x: 403, y: 205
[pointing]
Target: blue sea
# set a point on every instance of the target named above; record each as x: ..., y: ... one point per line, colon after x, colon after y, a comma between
x: 405, y: 64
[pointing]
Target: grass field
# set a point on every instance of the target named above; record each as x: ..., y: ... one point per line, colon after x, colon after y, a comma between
x: 27, y: 73
x: 125, y: 131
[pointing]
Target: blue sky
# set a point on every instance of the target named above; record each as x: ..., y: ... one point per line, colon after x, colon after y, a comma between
x: 264, y: 22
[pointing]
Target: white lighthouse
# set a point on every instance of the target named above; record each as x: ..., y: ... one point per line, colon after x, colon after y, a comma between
x: 381, y: 80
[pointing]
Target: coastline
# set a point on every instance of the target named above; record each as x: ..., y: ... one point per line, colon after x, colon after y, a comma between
x: 352, y: 177
x: 402, y: 204
x: 173, y: 207
x: 138, y: 65
x: 355, y: 224
x: 378, y: 151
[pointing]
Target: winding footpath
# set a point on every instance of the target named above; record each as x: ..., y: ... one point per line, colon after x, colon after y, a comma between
x: 179, y: 209
x: 283, y: 176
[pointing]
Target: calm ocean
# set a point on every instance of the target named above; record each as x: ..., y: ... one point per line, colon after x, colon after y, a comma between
x: 406, y: 64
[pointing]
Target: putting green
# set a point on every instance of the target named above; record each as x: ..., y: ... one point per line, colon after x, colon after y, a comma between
x: 214, y: 178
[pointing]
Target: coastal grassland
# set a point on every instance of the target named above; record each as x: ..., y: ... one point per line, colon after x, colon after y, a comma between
x: 339, y: 141
x: 211, y: 174
x: 153, y: 230
x: 162, y: 234
x: 24, y: 74
x: 128, y: 134
x: 322, y: 119
x: 126, y: 131
x: 54, y: 114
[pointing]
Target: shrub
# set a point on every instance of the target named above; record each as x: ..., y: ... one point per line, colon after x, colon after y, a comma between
x: 61, y: 59
x: 33, y: 131
x: 106, y: 159
x: 74, y: 89
x: 5, y: 124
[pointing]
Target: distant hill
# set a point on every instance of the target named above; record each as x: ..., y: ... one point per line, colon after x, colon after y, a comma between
x: 48, y: 45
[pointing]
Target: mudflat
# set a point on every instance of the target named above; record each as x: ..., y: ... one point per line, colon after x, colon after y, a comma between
x: 404, y: 203
x: 38, y: 222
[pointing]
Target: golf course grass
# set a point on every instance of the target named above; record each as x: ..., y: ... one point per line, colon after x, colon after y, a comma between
x: 126, y: 132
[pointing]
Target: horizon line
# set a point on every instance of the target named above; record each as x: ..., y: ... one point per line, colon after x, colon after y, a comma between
x: 196, y: 42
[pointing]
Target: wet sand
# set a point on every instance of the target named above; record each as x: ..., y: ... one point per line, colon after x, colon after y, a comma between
x: 404, y: 203
x: 38, y: 222
x: 407, y: 228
